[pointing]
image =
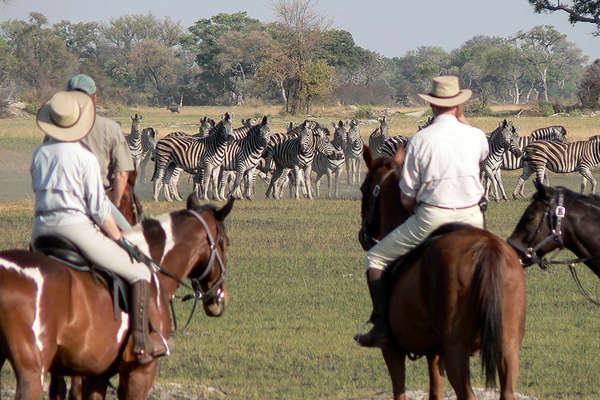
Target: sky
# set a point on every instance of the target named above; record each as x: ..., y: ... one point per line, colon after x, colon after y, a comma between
x: 388, y: 27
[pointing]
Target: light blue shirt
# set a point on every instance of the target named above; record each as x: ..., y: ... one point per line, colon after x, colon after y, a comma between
x: 441, y: 167
x: 68, y: 187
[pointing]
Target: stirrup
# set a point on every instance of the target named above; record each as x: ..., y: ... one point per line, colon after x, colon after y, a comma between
x: 381, y: 342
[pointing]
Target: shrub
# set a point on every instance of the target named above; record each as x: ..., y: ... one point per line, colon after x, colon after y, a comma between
x: 364, y: 112
x: 33, y: 107
x: 547, y: 109
x: 479, y: 109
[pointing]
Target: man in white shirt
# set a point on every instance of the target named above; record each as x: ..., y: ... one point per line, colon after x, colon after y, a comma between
x: 439, y: 184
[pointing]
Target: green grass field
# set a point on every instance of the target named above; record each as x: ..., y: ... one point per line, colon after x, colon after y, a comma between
x: 298, y: 293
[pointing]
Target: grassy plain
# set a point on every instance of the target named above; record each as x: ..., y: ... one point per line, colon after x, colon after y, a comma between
x: 298, y: 294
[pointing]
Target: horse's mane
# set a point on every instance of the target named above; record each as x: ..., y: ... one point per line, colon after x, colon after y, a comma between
x: 572, y: 196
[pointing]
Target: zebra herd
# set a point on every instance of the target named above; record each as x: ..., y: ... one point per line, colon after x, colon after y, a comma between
x: 224, y: 161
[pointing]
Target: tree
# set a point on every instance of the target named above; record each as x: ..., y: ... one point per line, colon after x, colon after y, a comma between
x: 589, y: 88
x: 154, y: 65
x: 316, y: 78
x: 578, y: 10
x: 300, y: 28
x: 540, y: 46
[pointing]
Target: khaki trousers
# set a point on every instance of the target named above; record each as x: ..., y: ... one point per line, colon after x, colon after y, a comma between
x: 415, y: 229
x: 98, y: 248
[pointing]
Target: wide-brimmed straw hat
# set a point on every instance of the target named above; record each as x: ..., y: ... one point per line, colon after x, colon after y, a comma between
x: 67, y: 116
x: 445, y: 92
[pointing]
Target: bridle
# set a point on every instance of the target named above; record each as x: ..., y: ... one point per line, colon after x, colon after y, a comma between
x: 374, y: 206
x: 555, y: 214
x: 215, y: 292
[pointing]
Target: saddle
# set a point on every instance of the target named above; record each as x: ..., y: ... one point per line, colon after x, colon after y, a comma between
x: 64, y: 250
x: 403, y: 263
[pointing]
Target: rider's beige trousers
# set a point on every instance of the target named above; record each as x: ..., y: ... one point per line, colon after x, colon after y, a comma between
x: 98, y: 248
x: 415, y: 229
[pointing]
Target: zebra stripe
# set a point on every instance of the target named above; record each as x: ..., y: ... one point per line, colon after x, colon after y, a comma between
x: 134, y: 139
x: 503, y: 138
x: 390, y: 145
x: 198, y: 156
x: 555, y: 133
x: 241, y: 157
x: 562, y: 158
x: 353, y: 152
x: 329, y: 160
x: 379, y: 136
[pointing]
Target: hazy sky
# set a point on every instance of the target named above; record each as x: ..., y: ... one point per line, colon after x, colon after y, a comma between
x: 389, y: 27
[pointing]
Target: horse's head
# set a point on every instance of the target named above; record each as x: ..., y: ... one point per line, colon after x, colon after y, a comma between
x: 381, y: 210
x: 209, y: 269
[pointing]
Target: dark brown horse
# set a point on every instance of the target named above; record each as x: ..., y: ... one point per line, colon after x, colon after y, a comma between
x: 130, y: 206
x: 463, y: 292
x: 559, y: 218
x: 59, y: 320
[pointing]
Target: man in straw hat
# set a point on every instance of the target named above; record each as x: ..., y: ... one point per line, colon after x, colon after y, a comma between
x: 439, y: 184
x: 70, y: 202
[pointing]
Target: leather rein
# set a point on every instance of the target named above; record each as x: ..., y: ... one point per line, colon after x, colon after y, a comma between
x: 555, y: 214
x: 371, y: 211
x: 214, y: 292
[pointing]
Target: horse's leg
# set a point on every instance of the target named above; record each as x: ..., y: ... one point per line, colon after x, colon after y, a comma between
x: 436, y: 379
x: 395, y: 362
x: 456, y: 361
x: 137, y: 383
x: 94, y: 387
x: 29, y: 384
x: 76, y: 389
x: 58, y: 388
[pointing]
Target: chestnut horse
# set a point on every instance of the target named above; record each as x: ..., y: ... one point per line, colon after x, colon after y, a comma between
x: 559, y: 218
x: 130, y: 206
x: 463, y: 291
x: 60, y: 320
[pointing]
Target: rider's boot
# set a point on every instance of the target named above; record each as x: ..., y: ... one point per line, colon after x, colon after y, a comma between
x: 379, y: 335
x: 145, y: 348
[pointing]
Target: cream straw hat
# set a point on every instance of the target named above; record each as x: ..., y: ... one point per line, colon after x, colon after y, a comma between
x: 445, y: 92
x: 67, y: 116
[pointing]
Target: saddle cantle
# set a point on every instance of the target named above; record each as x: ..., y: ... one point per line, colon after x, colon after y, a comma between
x: 66, y: 251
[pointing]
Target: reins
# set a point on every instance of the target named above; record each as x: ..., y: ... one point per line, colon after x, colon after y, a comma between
x: 555, y: 219
x: 214, y: 292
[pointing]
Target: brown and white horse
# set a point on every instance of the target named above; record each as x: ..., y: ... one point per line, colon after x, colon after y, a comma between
x: 59, y: 320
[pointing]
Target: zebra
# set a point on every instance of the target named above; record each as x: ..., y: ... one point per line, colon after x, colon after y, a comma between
x: 148, y: 142
x: 134, y: 139
x: 562, y: 158
x: 390, y: 146
x: 510, y: 162
x: 199, y: 157
x: 353, y: 152
x: 297, y: 154
x: 330, y: 165
x: 503, y: 138
x: 241, y: 157
x: 378, y: 136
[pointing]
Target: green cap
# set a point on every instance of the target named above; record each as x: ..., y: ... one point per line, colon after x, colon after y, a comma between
x: 82, y: 82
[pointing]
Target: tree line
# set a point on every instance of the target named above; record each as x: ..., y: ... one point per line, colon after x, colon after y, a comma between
x: 233, y: 59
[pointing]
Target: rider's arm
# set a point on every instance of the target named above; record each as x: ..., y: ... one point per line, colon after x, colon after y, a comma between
x: 111, y: 229
x: 118, y: 186
x: 408, y: 202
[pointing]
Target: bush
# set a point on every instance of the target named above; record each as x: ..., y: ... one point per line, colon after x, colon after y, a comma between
x: 364, y: 112
x: 33, y: 107
x: 547, y: 109
x: 480, y: 109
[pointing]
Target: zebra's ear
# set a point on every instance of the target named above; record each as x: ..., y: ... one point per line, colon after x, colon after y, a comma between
x: 334, y: 125
x: 266, y: 120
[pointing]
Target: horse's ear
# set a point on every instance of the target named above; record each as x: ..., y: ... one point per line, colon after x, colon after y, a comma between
x: 192, y: 201
x: 367, y: 156
x: 224, y: 211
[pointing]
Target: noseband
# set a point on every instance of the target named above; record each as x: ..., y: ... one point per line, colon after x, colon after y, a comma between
x: 555, y: 214
x: 371, y: 211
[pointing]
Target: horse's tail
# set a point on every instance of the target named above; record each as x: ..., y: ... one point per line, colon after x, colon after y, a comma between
x: 488, y: 281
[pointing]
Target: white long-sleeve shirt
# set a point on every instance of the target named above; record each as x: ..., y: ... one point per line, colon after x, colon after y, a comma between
x: 68, y: 187
x: 441, y: 167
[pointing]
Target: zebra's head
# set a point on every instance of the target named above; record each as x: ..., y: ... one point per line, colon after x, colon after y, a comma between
x: 264, y: 130
x: 354, y: 131
x: 136, y: 124
x: 339, y: 136
x: 206, y: 124
x: 225, y: 127
x: 507, y: 137
x: 384, y: 126
x: 248, y: 122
